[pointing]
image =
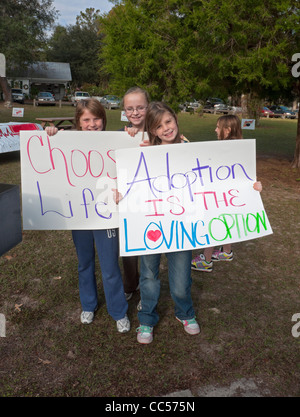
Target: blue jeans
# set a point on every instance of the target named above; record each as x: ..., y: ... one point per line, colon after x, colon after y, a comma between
x: 106, y: 242
x: 180, y: 281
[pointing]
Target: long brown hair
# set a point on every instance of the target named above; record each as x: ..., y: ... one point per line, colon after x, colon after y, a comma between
x: 154, y: 114
x: 232, y: 122
x: 92, y: 105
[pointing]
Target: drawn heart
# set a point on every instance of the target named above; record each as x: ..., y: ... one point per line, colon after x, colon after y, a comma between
x: 154, y: 235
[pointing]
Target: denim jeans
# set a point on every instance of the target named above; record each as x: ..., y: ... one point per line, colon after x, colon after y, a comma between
x: 106, y: 242
x: 179, y: 272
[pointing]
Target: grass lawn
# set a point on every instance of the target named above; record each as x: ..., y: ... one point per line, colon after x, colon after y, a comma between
x: 274, y: 137
x: 245, y: 307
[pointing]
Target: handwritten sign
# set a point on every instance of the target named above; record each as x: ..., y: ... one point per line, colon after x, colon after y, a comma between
x: 10, y: 135
x: 67, y: 179
x: 17, y: 112
x: 248, y: 124
x: 188, y: 196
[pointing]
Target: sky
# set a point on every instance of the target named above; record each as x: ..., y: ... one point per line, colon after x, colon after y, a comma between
x: 69, y: 9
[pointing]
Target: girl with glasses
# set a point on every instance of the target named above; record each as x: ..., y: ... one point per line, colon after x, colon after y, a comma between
x: 135, y: 103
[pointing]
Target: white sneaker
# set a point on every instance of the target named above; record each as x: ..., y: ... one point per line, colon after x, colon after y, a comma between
x: 87, y: 317
x: 123, y: 325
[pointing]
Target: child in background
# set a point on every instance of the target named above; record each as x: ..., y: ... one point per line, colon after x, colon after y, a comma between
x: 162, y: 128
x: 228, y: 127
x: 135, y: 103
x: 90, y: 116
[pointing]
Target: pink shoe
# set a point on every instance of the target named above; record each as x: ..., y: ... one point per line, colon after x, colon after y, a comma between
x: 219, y: 255
x: 190, y: 326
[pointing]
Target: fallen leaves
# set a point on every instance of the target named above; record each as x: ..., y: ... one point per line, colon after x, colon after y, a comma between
x: 44, y: 361
x: 9, y: 257
x: 17, y: 307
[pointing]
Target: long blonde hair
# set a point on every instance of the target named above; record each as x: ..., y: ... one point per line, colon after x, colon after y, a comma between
x: 154, y: 114
x: 136, y: 89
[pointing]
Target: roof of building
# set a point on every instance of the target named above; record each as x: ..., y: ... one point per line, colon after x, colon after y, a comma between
x: 45, y: 72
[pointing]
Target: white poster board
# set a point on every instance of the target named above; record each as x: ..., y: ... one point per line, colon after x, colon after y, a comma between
x: 67, y: 179
x: 187, y: 196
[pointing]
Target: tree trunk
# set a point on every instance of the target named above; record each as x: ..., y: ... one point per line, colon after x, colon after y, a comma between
x: 296, y: 161
x: 6, y: 91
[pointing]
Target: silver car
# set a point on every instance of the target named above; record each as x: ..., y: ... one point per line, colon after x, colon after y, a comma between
x: 110, y: 102
x: 17, y: 95
x: 45, y: 98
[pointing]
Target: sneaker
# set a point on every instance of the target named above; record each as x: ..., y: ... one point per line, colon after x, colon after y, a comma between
x: 87, y: 317
x: 199, y: 264
x: 190, y: 326
x: 123, y: 325
x: 145, y: 334
x: 219, y: 255
x: 128, y: 295
x: 139, y: 306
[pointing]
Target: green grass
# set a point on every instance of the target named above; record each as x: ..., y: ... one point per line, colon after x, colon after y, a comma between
x: 244, y: 307
x: 276, y: 137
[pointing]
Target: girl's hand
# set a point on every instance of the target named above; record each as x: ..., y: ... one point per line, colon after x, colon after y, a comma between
x: 257, y: 186
x: 116, y: 196
x: 145, y: 142
x: 51, y: 130
x: 132, y: 131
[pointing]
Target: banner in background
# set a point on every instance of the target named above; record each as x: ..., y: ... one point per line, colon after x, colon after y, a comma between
x: 10, y: 135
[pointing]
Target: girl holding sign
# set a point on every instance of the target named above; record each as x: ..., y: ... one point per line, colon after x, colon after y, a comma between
x: 90, y: 116
x: 162, y: 128
x: 135, y: 103
x: 228, y: 127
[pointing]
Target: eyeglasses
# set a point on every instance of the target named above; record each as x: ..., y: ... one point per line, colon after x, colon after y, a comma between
x: 139, y: 109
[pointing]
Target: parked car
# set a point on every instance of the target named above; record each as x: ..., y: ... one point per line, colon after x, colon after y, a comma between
x: 45, y: 97
x: 110, y: 102
x: 189, y: 105
x: 215, y: 108
x: 266, y: 112
x: 78, y: 96
x: 208, y: 108
x: 283, y: 111
x: 235, y: 109
x: 214, y: 100
x: 17, y: 95
x: 221, y: 108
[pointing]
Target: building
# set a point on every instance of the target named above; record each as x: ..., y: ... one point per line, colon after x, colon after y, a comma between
x: 54, y: 77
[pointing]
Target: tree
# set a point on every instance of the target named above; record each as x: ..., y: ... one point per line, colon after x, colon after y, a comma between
x: 78, y: 44
x: 146, y: 43
x: 180, y: 48
x: 23, y: 33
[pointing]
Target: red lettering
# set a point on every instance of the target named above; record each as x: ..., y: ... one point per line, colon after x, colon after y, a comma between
x: 29, y: 156
x: 155, y: 208
x: 72, y: 165
x: 234, y: 196
x: 108, y: 154
x: 89, y: 162
x: 176, y: 204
